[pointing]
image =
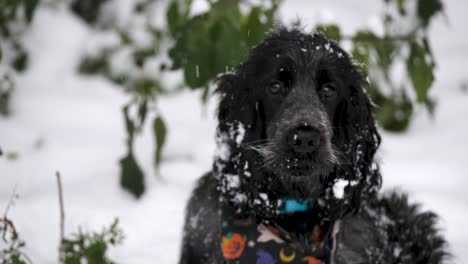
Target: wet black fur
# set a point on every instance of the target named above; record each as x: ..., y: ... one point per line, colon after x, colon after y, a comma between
x: 374, y: 229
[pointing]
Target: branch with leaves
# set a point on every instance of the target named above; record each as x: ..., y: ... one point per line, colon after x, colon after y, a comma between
x: 205, y: 45
x: 13, y: 252
x: 86, y: 247
x: 379, y: 54
x: 15, y: 17
x: 212, y: 42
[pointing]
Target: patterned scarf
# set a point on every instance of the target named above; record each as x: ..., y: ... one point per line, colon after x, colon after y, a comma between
x: 298, y: 236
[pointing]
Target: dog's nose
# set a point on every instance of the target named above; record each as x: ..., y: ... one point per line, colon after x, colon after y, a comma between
x: 304, y: 139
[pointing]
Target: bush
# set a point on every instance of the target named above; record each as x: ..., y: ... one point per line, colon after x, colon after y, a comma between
x: 15, y: 16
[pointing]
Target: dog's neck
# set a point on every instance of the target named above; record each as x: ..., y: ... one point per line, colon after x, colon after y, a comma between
x: 299, y: 233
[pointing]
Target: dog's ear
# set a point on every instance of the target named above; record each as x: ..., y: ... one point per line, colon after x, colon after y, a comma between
x: 358, y: 139
x: 239, y: 107
x: 240, y: 122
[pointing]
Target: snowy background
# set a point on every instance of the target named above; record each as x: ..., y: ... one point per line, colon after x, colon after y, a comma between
x: 65, y: 122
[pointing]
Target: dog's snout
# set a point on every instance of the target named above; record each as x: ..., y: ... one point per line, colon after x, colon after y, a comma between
x: 304, y: 139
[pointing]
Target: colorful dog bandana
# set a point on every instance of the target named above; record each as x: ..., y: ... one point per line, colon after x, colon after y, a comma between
x: 267, y: 242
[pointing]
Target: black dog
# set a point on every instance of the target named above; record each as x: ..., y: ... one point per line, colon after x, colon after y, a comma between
x: 294, y: 180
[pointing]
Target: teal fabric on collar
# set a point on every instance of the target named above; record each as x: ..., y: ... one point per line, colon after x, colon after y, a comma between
x: 294, y: 206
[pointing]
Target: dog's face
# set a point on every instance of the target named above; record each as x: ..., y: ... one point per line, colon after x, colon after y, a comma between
x: 305, y: 113
x: 299, y: 89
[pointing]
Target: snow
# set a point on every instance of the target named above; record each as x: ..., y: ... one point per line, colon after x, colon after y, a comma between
x: 240, y: 134
x: 72, y: 124
x: 338, y: 188
x: 233, y: 181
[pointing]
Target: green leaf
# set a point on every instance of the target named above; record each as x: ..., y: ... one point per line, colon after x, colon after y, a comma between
x: 385, y: 49
x: 206, y: 93
x: 147, y: 88
x: 367, y: 43
x: 254, y: 29
x: 177, y: 15
x: 29, y: 8
x: 95, y: 253
x: 73, y: 259
x: 88, y: 10
x: 172, y: 16
x: 129, y: 125
x: 401, y: 6
x: 160, y: 131
x: 17, y: 259
x: 131, y: 176
x: 395, y: 114
x: 90, y: 65
x: 193, y: 51
x: 142, y: 111
x: 361, y: 54
x: 331, y: 31
x: 361, y: 48
x: 401, y: 3
x: 20, y: 62
x: 427, y: 9
x: 140, y: 55
x: 228, y: 46
x: 212, y: 42
x: 420, y: 70
x: 430, y: 106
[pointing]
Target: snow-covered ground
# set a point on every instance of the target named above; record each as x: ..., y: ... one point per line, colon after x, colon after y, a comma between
x: 68, y: 123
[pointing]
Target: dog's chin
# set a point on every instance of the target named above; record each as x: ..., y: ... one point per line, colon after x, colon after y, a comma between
x: 302, y: 168
x: 303, y: 178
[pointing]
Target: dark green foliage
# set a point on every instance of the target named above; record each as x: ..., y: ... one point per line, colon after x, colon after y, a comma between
x: 378, y: 54
x: 160, y: 131
x: 6, y: 90
x: 401, y: 6
x: 205, y: 45
x: 12, y: 14
x: 331, y: 31
x: 88, y: 10
x: 11, y: 251
x: 212, y: 42
x: 395, y: 113
x: 421, y: 70
x: 20, y: 62
x: 131, y: 175
x: 427, y: 9
x: 10, y: 10
x: 177, y: 14
x: 90, y: 65
x: 91, y: 247
x: 148, y: 89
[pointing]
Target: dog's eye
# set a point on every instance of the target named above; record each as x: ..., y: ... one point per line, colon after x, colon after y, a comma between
x: 276, y: 87
x: 328, y: 90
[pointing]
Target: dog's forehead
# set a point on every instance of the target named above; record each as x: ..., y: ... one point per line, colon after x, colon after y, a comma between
x: 298, y: 51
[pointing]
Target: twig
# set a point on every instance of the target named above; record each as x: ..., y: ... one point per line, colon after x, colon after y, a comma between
x: 10, y: 202
x: 62, y: 218
x: 7, y: 223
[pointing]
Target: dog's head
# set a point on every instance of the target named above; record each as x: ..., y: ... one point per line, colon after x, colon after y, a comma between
x: 294, y: 121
